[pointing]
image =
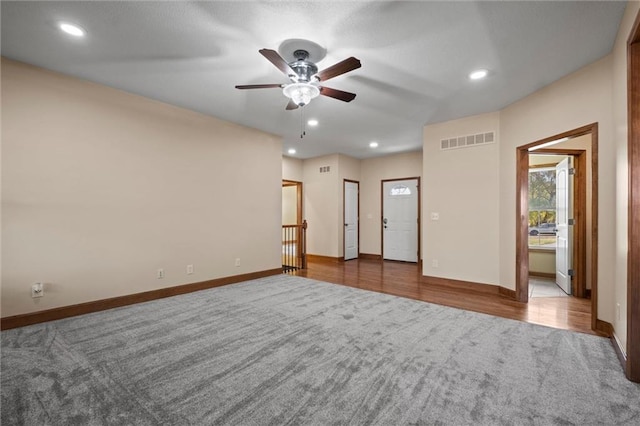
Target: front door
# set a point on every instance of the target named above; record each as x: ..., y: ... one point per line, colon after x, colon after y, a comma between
x: 350, y: 220
x: 400, y: 220
x: 564, y: 215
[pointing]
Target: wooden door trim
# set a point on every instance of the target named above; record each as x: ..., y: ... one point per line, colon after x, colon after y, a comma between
x: 344, y: 215
x: 580, y: 230
x: 522, y: 216
x: 382, y: 182
x: 633, y: 145
x: 522, y: 225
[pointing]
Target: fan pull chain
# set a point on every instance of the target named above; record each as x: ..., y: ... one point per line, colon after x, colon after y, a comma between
x: 302, y: 127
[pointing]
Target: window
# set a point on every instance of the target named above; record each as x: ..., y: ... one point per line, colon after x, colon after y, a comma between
x: 400, y: 190
x: 542, y: 208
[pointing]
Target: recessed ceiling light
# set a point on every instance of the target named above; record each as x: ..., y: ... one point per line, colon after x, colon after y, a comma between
x: 72, y: 29
x: 373, y: 144
x: 312, y: 122
x: 291, y: 151
x: 478, y: 74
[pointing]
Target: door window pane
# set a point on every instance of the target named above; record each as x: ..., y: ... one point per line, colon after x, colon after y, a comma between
x: 400, y: 190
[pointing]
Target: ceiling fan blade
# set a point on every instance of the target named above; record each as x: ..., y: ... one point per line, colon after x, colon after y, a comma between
x: 337, y: 94
x: 291, y: 105
x: 259, y: 86
x: 277, y: 60
x: 342, y: 67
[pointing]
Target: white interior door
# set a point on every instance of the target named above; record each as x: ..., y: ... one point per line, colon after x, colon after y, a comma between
x: 400, y: 220
x: 564, y: 213
x: 350, y: 220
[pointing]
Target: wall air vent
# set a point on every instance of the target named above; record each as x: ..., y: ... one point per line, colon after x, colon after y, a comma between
x: 467, y: 141
x: 325, y: 169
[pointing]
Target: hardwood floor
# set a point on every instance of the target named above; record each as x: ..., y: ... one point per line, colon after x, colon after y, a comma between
x: 405, y: 280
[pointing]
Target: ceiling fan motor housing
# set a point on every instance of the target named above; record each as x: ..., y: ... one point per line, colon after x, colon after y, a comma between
x: 303, y: 68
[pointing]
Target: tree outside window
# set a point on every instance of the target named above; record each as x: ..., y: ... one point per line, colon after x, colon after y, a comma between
x: 542, y: 208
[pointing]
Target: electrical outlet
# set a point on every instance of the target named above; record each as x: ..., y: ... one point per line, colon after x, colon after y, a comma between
x: 237, y: 261
x: 160, y: 273
x: 189, y: 269
x: 434, y: 263
x: 37, y: 290
x: 435, y: 216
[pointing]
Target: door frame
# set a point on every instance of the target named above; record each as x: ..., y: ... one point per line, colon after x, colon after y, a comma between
x: 344, y: 197
x: 522, y: 215
x: 419, y: 236
x: 632, y: 369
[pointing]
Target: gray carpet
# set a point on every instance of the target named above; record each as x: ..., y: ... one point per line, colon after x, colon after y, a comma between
x: 287, y: 350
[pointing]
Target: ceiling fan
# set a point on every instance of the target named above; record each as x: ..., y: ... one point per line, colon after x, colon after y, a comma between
x: 305, y: 78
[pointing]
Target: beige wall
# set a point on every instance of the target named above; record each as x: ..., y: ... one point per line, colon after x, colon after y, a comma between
x: 461, y: 186
x: 100, y: 188
x: 373, y: 172
x: 323, y: 201
x: 292, y: 169
x: 619, y: 142
x: 542, y: 261
x: 544, y: 160
x: 322, y: 194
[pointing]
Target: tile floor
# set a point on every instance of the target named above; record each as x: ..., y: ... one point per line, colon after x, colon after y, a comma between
x: 544, y: 287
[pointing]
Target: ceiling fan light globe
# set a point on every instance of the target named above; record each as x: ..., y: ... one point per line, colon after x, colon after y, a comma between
x: 301, y: 97
x: 301, y: 93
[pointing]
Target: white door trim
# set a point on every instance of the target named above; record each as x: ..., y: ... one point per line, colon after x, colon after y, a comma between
x: 351, y: 219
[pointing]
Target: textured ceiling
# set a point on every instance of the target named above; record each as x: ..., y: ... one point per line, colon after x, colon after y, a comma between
x: 415, y: 58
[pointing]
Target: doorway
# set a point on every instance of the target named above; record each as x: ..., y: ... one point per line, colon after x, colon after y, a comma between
x: 558, y: 192
x: 351, y: 214
x: 293, y: 250
x: 400, y: 219
x: 580, y: 232
x: 291, y: 202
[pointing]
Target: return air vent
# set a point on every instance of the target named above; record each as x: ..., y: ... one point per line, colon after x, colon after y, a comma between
x: 467, y: 141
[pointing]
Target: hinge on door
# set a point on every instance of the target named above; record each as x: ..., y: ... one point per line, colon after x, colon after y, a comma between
x: 571, y: 273
x: 571, y: 222
x: 572, y: 171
